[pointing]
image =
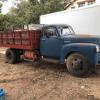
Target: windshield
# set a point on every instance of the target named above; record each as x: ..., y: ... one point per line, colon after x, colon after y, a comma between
x: 65, y: 30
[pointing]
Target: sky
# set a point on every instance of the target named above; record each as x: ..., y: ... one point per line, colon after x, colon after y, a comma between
x: 7, y: 5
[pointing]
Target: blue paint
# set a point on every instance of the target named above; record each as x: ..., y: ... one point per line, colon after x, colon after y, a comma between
x: 2, y: 94
x: 51, y: 47
x: 86, y: 49
x: 59, y: 47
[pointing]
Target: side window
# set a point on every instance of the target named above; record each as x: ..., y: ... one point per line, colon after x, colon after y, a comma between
x: 91, y: 2
x: 50, y: 32
x: 81, y: 4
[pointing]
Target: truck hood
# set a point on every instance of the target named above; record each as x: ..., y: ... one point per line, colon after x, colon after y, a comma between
x: 82, y: 39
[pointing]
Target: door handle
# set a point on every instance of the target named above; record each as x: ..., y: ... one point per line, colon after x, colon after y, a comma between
x: 66, y: 41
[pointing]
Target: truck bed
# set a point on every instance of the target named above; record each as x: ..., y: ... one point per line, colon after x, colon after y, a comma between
x: 28, y: 40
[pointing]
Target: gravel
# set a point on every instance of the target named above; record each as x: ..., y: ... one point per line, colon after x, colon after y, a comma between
x: 48, y: 81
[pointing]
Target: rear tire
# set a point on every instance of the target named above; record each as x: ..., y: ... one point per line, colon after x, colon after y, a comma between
x: 18, y: 58
x: 11, y: 56
x: 78, y: 65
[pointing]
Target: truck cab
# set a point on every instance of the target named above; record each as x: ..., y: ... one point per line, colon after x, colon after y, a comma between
x: 80, y: 53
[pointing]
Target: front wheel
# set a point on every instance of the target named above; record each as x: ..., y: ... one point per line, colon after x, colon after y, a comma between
x: 77, y: 65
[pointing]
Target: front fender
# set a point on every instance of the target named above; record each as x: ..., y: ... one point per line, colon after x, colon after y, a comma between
x: 87, y: 49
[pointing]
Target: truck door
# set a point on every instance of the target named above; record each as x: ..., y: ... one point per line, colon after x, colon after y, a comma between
x: 51, y: 42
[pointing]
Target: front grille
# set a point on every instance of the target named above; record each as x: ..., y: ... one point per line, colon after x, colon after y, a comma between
x: 98, y: 58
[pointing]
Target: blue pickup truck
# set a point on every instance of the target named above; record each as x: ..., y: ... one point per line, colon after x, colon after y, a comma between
x: 80, y: 53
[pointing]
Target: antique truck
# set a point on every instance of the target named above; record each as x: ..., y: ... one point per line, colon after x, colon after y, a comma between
x: 80, y: 53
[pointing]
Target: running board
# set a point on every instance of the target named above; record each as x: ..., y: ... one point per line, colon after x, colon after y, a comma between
x: 45, y: 59
x: 50, y: 60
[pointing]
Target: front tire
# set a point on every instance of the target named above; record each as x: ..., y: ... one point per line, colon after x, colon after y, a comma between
x: 78, y: 65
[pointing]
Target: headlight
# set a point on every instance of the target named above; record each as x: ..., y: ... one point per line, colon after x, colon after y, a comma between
x: 97, y: 48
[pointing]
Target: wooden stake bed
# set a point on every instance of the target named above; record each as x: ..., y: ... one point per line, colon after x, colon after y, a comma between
x: 27, y: 40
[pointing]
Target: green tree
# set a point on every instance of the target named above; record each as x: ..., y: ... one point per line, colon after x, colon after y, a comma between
x: 0, y: 7
x: 45, y: 7
x: 34, y: 2
x: 21, y: 13
x: 28, y: 12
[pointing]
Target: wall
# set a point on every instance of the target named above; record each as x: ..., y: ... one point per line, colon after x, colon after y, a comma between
x: 83, y: 20
x: 75, y: 4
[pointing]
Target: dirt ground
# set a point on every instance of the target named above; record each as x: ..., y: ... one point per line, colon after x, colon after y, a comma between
x: 26, y: 81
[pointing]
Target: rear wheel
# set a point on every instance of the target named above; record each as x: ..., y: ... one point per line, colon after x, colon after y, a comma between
x: 77, y: 65
x: 18, y: 58
x: 11, y: 56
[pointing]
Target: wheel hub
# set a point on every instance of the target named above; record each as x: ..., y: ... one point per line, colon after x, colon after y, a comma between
x: 77, y: 64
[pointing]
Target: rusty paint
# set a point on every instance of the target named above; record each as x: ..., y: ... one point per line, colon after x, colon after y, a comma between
x: 28, y: 54
x: 82, y: 44
x: 27, y: 40
x: 85, y: 35
x: 33, y: 55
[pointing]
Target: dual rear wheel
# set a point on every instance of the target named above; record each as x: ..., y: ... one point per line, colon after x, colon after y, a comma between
x: 12, y: 56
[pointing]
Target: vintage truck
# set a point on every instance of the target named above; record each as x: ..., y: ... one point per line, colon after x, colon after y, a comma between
x: 80, y: 53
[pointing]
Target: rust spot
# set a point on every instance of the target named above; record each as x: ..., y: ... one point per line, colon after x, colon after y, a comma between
x: 82, y: 44
x: 86, y: 35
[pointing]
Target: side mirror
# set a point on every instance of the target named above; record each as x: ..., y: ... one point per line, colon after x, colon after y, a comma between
x: 47, y: 35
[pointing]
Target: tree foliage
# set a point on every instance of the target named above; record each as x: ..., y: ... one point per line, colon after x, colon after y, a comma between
x: 28, y: 12
x: 0, y: 7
